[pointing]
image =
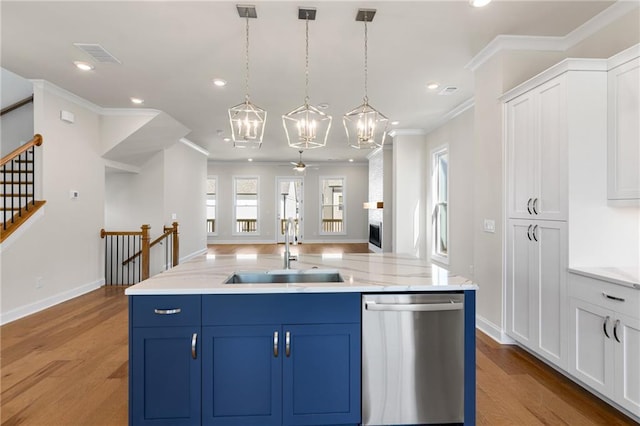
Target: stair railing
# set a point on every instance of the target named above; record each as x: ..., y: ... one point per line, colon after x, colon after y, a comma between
x: 18, y: 185
x: 128, y: 253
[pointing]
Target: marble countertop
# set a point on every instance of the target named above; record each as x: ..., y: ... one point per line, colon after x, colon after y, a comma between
x: 384, y: 272
x: 629, y: 277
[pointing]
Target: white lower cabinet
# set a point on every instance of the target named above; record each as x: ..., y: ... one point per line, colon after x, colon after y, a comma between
x: 604, y: 349
x: 536, y: 287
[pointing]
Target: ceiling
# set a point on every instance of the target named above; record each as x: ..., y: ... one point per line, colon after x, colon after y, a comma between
x: 171, y: 51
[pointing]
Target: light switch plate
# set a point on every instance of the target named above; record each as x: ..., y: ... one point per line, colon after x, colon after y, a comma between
x: 489, y: 225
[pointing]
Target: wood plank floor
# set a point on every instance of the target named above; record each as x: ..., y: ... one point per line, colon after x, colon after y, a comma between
x: 68, y: 365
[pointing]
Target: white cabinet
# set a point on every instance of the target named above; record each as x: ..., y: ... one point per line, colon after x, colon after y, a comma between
x: 536, y: 134
x: 604, y: 349
x: 536, y: 287
x: 623, y: 156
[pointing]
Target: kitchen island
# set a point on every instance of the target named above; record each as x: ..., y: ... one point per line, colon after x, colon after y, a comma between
x: 206, y: 352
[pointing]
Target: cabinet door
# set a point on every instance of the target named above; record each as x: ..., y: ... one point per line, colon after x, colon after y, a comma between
x: 590, y: 349
x: 322, y: 374
x: 521, y: 278
x: 165, y: 378
x: 551, y: 161
x: 627, y: 364
x: 242, y: 375
x: 624, y: 132
x: 551, y: 290
x: 521, y: 151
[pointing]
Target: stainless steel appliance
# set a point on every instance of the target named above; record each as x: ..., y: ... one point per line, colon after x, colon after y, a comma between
x: 412, y: 359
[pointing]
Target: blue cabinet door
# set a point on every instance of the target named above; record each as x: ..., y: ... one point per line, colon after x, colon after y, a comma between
x: 165, y: 376
x: 242, y: 375
x: 321, y: 374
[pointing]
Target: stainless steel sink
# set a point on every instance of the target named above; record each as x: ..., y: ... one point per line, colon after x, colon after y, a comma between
x: 290, y: 276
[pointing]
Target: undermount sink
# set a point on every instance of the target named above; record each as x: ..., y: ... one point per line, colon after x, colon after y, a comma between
x: 287, y: 276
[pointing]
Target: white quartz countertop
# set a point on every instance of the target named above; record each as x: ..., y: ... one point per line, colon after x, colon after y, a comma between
x: 629, y: 277
x: 382, y: 272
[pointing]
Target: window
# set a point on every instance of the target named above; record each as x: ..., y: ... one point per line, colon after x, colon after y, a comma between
x: 245, y: 190
x: 440, y: 206
x: 333, y: 214
x: 211, y: 206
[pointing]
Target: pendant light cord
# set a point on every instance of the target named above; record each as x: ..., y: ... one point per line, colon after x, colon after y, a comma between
x: 246, y: 80
x: 306, y: 63
x: 366, y: 60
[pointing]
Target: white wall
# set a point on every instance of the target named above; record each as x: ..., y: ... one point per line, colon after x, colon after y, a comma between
x: 409, y: 195
x: 60, y: 249
x: 17, y: 125
x: 356, y: 187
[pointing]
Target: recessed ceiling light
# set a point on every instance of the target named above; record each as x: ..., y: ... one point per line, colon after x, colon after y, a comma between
x: 84, y: 66
x: 249, y: 159
x: 432, y: 86
x: 479, y: 3
x: 137, y: 101
x: 351, y: 160
x: 219, y: 82
x: 227, y: 139
x: 395, y: 123
x: 323, y: 105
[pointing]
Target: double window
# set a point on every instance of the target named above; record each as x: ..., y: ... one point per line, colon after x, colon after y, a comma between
x: 440, y: 204
x: 246, y: 205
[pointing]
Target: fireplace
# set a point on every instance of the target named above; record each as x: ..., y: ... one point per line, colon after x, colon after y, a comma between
x: 375, y: 234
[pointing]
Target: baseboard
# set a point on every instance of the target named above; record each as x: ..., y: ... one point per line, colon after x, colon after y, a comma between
x: 32, y: 308
x: 192, y: 255
x: 335, y: 241
x: 493, y: 331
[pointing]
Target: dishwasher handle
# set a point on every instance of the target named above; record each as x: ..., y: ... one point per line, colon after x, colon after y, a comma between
x: 414, y: 307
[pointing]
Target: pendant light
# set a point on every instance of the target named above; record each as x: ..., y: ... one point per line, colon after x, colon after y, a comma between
x: 306, y: 127
x: 365, y: 126
x: 247, y: 120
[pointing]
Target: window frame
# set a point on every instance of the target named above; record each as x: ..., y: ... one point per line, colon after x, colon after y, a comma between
x: 234, y: 206
x: 436, y: 204
x: 215, y: 207
x: 321, y: 180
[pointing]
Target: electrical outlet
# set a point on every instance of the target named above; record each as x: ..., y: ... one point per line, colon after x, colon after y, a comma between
x: 489, y: 225
x: 39, y: 282
x: 174, y: 216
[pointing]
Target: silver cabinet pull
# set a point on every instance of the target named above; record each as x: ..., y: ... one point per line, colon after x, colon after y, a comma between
x: 275, y: 344
x: 535, y: 228
x: 529, y: 232
x: 529, y: 205
x: 167, y: 311
x: 615, y: 330
x: 608, y: 296
x: 604, y: 327
x: 535, y: 206
x: 287, y: 344
x: 414, y: 307
x: 194, y: 345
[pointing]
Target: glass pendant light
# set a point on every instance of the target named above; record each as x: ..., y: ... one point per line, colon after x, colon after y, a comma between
x: 306, y: 127
x: 365, y: 126
x: 247, y: 120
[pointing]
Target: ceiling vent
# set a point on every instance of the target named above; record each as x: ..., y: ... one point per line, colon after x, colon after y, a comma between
x: 449, y: 90
x: 97, y: 52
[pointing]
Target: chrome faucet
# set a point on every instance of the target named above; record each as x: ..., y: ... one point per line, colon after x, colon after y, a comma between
x: 287, y: 233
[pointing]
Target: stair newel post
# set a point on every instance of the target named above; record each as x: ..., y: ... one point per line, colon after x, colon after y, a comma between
x: 176, y: 244
x: 145, y: 252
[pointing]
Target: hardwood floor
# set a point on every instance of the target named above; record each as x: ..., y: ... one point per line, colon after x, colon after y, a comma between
x: 279, y: 248
x: 68, y: 366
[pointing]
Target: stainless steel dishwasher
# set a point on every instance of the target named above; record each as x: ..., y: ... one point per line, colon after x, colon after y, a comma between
x: 412, y: 359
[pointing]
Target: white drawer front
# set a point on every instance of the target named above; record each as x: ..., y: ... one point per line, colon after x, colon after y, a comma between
x: 618, y: 298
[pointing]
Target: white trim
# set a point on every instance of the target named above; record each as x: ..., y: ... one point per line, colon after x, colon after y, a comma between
x: 456, y: 111
x: 623, y: 57
x: 194, y: 254
x: 130, y: 112
x: 194, y: 146
x: 65, y: 94
x: 493, y: 331
x: 22, y: 229
x: 40, y: 305
x: 234, y: 219
x: 122, y: 166
x: 215, y: 232
x: 512, y: 42
x: 406, y: 132
x: 277, y: 207
x: 212, y: 240
x: 433, y: 154
x: 336, y: 241
x: 344, y: 204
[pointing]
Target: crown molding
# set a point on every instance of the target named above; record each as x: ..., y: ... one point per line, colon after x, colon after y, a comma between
x: 66, y: 95
x: 406, y: 132
x: 194, y: 146
x: 543, y: 43
x: 456, y: 111
x: 131, y: 112
x: 624, y: 56
x: 123, y: 167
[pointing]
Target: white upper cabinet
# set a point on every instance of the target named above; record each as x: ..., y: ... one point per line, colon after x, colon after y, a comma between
x: 623, y: 157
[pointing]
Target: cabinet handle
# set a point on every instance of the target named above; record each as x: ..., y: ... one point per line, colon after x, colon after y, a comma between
x: 529, y: 232
x: 608, y: 296
x: 194, y: 344
x: 535, y: 228
x: 287, y: 344
x: 604, y: 327
x: 167, y: 311
x: 615, y: 330
x: 535, y: 207
x: 529, y: 205
x: 275, y: 344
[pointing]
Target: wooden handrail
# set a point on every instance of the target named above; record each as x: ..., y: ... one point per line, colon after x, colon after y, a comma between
x: 167, y: 231
x: 104, y: 233
x: 36, y: 141
x: 16, y: 105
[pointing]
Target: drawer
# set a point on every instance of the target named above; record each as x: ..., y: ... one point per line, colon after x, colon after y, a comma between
x: 164, y: 311
x: 618, y: 298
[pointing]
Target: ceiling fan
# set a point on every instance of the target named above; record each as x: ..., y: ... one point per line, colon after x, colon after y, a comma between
x: 299, y: 166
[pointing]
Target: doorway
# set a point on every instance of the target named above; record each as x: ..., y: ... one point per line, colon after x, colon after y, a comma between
x: 289, y: 199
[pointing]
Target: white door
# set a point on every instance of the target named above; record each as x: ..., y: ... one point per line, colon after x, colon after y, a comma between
x: 289, y: 202
x: 626, y: 335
